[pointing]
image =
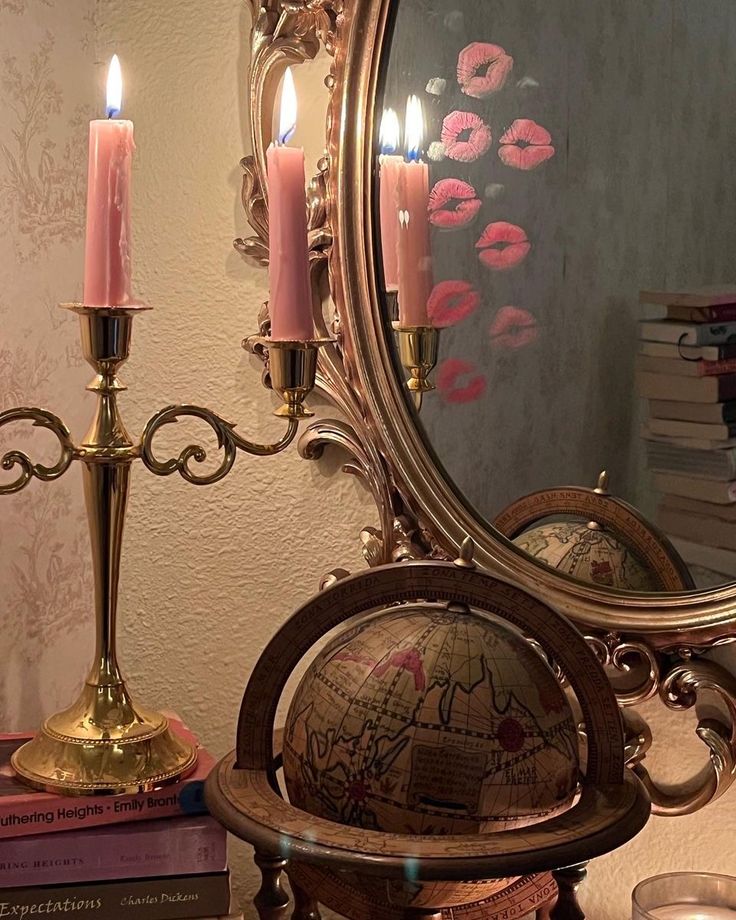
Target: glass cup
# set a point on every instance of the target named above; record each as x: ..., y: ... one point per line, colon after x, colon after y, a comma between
x: 685, y: 896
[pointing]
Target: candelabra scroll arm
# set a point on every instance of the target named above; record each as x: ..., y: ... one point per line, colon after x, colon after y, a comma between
x: 228, y: 441
x: 28, y: 469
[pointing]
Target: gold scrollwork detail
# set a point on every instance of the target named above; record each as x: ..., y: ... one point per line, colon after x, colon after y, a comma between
x: 367, y: 464
x: 28, y: 469
x: 284, y: 32
x: 227, y: 440
x: 680, y: 689
x: 398, y: 538
x: 628, y: 657
x: 313, y: 18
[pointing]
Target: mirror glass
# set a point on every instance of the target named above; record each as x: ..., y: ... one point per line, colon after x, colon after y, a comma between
x: 558, y: 202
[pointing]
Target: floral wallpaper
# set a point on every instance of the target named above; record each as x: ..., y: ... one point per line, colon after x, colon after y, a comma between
x: 47, y: 76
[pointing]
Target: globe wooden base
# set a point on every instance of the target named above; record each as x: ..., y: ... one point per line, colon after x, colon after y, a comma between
x: 346, y: 896
x: 551, y: 896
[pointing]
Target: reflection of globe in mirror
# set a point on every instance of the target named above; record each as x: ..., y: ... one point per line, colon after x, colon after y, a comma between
x: 588, y: 553
x: 426, y: 720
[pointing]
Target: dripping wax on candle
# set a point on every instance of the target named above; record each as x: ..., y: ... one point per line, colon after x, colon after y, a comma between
x: 290, y: 301
x: 107, y: 267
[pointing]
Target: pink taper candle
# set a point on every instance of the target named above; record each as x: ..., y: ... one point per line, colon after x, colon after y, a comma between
x: 415, y: 254
x: 390, y: 169
x: 290, y: 300
x: 107, y: 268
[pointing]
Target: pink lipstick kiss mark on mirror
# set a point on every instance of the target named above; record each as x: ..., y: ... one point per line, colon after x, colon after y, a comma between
x: 453, y: 204
x: 451, y: 302
x: 466, y: 136
x: 513, y: 328
x: 483, y: 69
x: 525, y: 145
x: 458, y: 383
x: 503, y: 246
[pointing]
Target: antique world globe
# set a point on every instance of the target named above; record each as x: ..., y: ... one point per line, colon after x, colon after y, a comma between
x: 430, y: 720
x: 588, y: 552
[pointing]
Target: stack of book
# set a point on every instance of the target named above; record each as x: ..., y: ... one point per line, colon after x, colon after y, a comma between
x: 149, y: 856
x: 686, y: 370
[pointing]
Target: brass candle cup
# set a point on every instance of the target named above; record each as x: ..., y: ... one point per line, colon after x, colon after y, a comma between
x: 293, y: 371
x: 418, y: 347
x: 104, y: 743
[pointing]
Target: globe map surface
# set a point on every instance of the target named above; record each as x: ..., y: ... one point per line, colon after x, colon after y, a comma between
x: 429, y: 720
x: 595, y: 556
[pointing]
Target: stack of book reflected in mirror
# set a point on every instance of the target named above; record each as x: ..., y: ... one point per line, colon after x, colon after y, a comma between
x: 148, y: 856
x: 686, y: 370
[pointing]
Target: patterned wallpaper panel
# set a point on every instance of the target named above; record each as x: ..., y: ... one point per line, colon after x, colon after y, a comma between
x: 48, y: 80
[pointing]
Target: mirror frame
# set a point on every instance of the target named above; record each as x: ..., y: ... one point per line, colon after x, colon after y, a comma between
x: 655, y: 639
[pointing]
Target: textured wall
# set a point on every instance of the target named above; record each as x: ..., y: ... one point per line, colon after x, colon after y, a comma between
x: 208, y: 573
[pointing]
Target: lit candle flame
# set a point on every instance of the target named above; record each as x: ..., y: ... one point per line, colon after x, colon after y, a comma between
x: 390, y: 133
x: 114, y: 88
x: 414, y: 128
x: 287, y: 114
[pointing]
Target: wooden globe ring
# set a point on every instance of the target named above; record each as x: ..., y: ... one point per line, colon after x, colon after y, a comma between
x: 605, y: 817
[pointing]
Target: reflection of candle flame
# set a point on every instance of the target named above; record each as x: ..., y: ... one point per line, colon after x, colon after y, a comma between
x: 114, y: 88
x: 390, y: 132
x: 414, y: 127
x: 287, y: 114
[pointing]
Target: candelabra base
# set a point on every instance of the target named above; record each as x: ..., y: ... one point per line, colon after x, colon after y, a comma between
x: 103, y: 745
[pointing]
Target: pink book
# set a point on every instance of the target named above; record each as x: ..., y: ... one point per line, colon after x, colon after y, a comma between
x: 25, y: 811
x: 177, y: 846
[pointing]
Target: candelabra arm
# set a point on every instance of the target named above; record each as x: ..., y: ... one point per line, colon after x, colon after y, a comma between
x: 28, y: 469
x: 228, y: 441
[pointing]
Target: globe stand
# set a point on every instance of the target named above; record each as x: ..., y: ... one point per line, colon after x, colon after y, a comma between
x: 568, y: 881
x: 272, y: 902
x: 344, y: 865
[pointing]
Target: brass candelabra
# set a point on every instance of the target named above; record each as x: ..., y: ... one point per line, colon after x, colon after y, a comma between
x: 104, y: 742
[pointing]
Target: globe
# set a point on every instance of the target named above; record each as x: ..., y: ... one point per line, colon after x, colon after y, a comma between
x: 588, y: 553
x: 430, y: 720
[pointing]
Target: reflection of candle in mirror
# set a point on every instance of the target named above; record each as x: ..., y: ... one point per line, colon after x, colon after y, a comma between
x: 685, y: 911
x: 415, y: 262
x: 107, y: 264
x: 390, y: 167
x: 290, y: 300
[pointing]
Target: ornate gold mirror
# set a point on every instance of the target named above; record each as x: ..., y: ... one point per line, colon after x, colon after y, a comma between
x: 560, y: 173
x: 429, y: 461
